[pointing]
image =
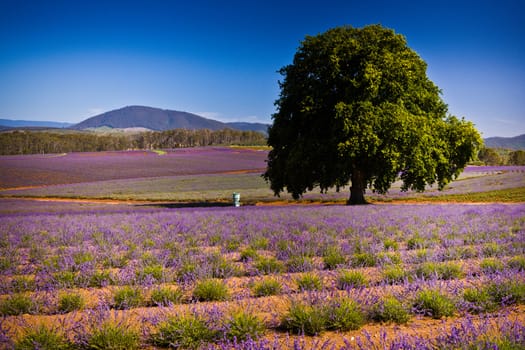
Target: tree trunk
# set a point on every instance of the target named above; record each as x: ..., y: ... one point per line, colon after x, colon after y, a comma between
x: 357, y: 191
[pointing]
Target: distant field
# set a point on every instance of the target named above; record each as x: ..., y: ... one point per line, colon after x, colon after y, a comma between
x: 207, y: 175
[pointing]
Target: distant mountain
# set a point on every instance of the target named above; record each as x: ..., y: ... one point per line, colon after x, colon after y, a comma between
x: 515, y: 143
x: 28, y: 123
x: 159, y: 119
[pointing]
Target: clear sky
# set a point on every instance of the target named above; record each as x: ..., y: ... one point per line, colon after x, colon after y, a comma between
x: 72, y: 59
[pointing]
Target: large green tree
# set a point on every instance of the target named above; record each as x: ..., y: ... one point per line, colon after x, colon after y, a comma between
x: 357, y: 106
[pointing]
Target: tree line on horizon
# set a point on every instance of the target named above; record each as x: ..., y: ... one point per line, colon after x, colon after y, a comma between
x: 38, y: 142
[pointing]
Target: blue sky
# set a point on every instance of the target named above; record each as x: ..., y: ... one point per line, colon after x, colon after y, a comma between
x: 69, y: 60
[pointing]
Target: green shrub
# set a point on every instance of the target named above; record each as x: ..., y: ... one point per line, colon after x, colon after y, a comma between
x: 222, y: 268
x: 183, y: 332
x: 344, y: 314
x: 351, y: 279
x: 248, y: 254
x: 210, y: 290
x: 416, y: 242
x: 479, y: 300
x: 127, y: 297
x: 389, y: 258
x: 309, y: 281
x: 266, y: 287
x: 21, y: 284
x: 268, y: 265
x: 333, y: 257
x: 434, y: 304
x: 68, y: 302
x: 491, y: 249
x: 17, y: 304
x: 232, y: 244
x: 156, y: 271
x: 299, y: 263
x: 507, y: 292
x: 517, y: 263
x: 110, y: 336
x: 445, y: 270
x: 43, y: 338
x: 241, y: 326
x: 395, y: 274
x: 389, y: 309
x: 390, y: 244
x: 165, y: 296
x: 260, y: 243
x: 83, y: 257
x: 364, y: 260
x: 100, y: 278
x: 306, y: 319
x: 66, y: 279
x: 491, y: 265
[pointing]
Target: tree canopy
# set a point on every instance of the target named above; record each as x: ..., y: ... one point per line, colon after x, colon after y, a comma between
x: 356, y: 105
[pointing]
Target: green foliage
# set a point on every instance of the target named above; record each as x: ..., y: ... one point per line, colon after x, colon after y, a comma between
x: 390, y: 309
x: 351, y: 279
x: 66, y: 279
x: 517, y: 157
x: 390, y: 244
x: 435, y: 304
x: 479, y: 300
x: 304, y: 318
x: 364, y: 260
x: 299, y: 263
x: 68, y: 302
x: 38, y: 142
x: 491, y: 249
x: 165, y: 296
x: 389, y: 258
x: 21, y: 284
x: 445, y: 270
x: 517, y: 262
x: 309, y: 281
x: 248, y: 254
x: 241, y: 325
x: 266, y: 287
x: 341, y: 314
x: 507, y: 292
x: 356, y: 105
x: 128, y: 297
x: 395, y: 274
x: 489, y: 156
x: 155, y: 271
x: 491, y: 265
x: 183, y: 332
x: 17, y: 304
x: 111, y: 336
x: 416, y: 242
x: 268, y: 265
x: 333, y: 257
x: 210, y: 290
x: 100, y: 278
x: 344, y: 314
x: 43, y: 338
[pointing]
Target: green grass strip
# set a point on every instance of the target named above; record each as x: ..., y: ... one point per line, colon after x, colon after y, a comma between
x: 509, y: 195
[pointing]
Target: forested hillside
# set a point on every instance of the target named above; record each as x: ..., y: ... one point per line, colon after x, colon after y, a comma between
x: 31, y: 142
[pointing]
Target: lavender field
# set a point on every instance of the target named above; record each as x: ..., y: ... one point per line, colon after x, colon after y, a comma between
x: 193, y: 272
x: 140, y: 270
